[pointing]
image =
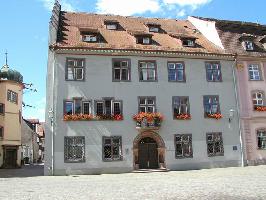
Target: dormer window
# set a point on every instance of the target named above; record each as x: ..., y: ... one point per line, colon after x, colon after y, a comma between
x: 248, y: 45
x: 111, y: 24
x: 90, y: 38
x: 146, y: 40
x: 154, y: 29
x: 247, y: 41
x: 188, y: 42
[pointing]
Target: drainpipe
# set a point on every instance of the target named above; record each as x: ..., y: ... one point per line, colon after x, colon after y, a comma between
x: 238, y: 111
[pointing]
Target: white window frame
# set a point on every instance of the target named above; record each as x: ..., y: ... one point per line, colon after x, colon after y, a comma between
x: 254, y: 72
x: 154, y: 29
x: 257, y: 99
x: 74, y: 69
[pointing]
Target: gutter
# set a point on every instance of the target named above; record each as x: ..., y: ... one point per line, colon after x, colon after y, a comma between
x: 238, y: 112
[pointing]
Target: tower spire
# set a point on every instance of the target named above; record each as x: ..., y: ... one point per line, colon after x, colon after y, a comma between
x: 6, y: 57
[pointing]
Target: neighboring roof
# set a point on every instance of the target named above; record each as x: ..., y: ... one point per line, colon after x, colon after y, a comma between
x: 72, y: 24
x: 233, y: 32
x: 33, y: 121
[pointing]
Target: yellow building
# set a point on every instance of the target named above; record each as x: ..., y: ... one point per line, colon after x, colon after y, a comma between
x: 11, y: 87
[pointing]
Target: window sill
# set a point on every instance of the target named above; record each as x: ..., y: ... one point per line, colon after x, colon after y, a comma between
x: 183, y: 157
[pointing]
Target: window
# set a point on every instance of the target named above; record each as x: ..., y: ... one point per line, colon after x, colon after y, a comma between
x: 258, y: 98
x: 86, y: 107
x: 75, y: 69
x: 74, y: 149
x: 183, y: 146
x: 112, y: 148
x: 111, y: 26
x: 1, y: 131
x: 121, y: 70
x: 188, y: 43
x: 146, y: 40
x: 154, y: 29
x: 147, y: 71
x: 2, y: 109
x: 76, y: 106
x: 180, y: 105
x: 213, y: 72
x: 254, y: 72
x: 12, y: 96
x: 108, y: 107
x: 248, y: 45
x: 211, y: 105
x: 176, y: 71
x: 215, y: 144
x: 90, y: 38
x: 147, y: 104
x: 261, y: 134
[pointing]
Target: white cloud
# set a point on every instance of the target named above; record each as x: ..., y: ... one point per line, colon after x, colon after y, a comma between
x: 127, y: 7
x: 181, y: 13
x: 187, y: 2
x: 49, y: 4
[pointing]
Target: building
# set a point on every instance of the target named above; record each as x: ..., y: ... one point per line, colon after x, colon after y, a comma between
x: 37, y: 127
x: 111, y: 78
x: 10, y: 117
x: 29, y: 143
x: 248, y: 42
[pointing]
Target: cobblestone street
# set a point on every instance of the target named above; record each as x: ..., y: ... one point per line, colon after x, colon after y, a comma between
x: 230, y: 183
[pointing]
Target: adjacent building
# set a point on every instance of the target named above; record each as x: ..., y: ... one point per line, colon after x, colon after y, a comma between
x: 129, y: 93
x: 10, y: 117
x: 248, y: 42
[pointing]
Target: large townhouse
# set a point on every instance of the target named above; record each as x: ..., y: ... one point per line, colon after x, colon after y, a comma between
x: 248, y: 42
x: 129, y: 93
x: 11, y: 87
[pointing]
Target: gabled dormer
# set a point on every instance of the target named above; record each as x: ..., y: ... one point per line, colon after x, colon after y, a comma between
x: 263, y: 41
x: 111, y: 24
x: 90, y: 35
x: 247, y: 41
x: 154, y: 27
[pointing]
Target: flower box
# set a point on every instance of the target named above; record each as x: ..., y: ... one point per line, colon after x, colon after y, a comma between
x: 260, y: 108
x: 183, y: 116
x: 215, y: 115
x: 148, y: 120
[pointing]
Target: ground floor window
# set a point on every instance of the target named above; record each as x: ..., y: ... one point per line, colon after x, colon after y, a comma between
x: 183, y: 146
x: 74, y: 149
x: 261, y: 134
x: 215, y: 144
x: 112, y: 148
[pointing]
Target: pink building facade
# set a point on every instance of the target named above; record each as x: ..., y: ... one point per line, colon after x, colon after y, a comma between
x: 251, y: 81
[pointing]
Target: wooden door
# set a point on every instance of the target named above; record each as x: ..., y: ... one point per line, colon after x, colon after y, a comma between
x: 10, y: 158
x: 148, y: 155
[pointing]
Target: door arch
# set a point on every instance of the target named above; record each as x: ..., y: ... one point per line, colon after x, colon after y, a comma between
x: 155, y: 141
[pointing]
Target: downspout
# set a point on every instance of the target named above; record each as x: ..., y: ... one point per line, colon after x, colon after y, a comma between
x: 53, y: 111
x: 238, y: 111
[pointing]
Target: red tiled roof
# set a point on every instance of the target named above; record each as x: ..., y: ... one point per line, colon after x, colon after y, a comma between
x: 72, y: 24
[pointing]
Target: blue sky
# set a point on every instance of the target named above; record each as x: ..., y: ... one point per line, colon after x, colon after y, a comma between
x: 24, y: 29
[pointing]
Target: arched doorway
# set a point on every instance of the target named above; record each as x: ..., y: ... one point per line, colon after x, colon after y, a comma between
x: 148, y: 151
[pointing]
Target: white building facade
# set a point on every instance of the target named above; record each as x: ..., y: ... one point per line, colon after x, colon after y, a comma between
x: 93, y: 93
